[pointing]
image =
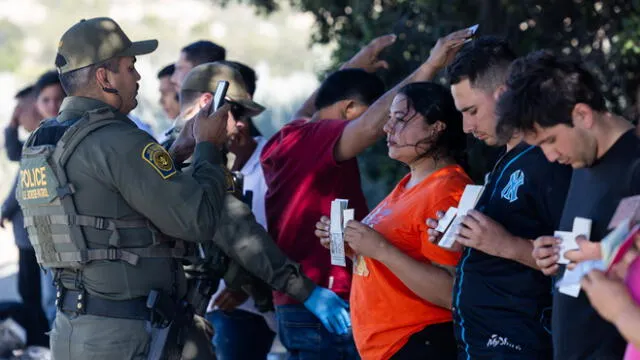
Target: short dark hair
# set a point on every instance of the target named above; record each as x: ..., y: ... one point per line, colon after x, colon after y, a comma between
x: 248, y: 75
x: 74, y: 81
x: 435, y: 103
x: 24, y: 92
x: 187, y: 97
x: 204, y: 51
x: 47, y: 79
x: 353, y: 84
x: 484, y: 61
x: 167, y: 71
x: 543, y: 89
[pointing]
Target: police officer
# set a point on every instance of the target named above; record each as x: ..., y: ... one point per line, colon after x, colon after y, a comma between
x: 239, y: 235
x: 104, y: 203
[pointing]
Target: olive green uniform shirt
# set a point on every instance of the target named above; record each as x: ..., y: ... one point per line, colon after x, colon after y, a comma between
x: 117, y: 173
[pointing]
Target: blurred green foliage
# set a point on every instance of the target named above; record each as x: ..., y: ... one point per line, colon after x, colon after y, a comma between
x: 10, y: 46
x: 606, y: 34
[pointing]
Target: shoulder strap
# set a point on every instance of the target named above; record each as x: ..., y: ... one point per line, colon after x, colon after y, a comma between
x: 90, y: 122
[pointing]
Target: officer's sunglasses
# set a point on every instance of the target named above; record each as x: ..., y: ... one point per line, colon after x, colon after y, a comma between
x: 238, y: 111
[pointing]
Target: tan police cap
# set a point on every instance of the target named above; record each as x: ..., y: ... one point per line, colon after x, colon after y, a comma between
x: 96, y: 40
x: 205, y: 77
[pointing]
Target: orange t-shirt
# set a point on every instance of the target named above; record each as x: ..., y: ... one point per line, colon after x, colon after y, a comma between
x: 384, y: 311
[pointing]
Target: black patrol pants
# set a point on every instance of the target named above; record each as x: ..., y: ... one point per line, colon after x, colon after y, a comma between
x: 29, y: 288
x: 435, y: 342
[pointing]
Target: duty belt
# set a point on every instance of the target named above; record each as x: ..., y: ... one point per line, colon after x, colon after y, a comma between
x: 80, y: 302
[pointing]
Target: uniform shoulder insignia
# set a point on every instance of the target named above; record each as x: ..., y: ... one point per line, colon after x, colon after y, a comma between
x: 159, y: 159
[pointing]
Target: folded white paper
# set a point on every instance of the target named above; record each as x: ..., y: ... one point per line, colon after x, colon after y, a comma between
x: 568, y: 243
x: 338, y: 206
x: 468, y: 201
x: 447, y: 219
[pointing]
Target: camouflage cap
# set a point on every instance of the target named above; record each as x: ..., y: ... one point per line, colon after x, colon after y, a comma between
x: 94, y: 41
x: 205, y: 77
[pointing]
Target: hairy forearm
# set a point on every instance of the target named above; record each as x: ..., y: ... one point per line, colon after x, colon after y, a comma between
x: 429, y: 282
x: 520, y: 250
x: 628, y: 323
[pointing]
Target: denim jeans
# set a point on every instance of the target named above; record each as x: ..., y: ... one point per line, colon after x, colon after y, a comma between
x: 239, y: 334
x: 305, y: 337
x: 48, y: 295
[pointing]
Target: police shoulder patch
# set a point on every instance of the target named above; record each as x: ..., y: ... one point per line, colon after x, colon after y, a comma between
x: 159, y: 159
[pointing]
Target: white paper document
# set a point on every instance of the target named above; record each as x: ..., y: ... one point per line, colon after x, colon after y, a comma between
x: 570, y: 282
x: 468, y: 201
x: 338, y: 210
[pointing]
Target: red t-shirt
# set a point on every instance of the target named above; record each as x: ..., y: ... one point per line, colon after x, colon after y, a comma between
x: 302, y: 179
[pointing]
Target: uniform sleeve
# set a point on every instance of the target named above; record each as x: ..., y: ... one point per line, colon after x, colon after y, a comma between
x: 182, y: 205
x: 249, y: 244
x: 554, y: 186
x: 12, y: 144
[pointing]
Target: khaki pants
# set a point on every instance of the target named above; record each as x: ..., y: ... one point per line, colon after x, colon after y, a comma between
x: 88, y: 337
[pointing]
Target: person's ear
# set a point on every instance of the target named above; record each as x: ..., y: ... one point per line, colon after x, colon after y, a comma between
x: 102, y: 78
x: 204, y: 99
x: 351, y: 109
x: 583, y: 116
x: 499, y: 91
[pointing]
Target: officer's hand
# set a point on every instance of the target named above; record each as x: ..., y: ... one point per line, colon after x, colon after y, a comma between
x: 2, y: 221
x: 184, y: 145
x: 322, y: 232
x: 446, y: 48
x: 546, y: 254
x: 212, y: 128
x: 229, y: 299
x: 330, y: 309
x: 367, y: 58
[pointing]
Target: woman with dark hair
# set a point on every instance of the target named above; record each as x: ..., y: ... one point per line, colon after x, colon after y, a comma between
x: 402, y: 283
x: 49, y: 94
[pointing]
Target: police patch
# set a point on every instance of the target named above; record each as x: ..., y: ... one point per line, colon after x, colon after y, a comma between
x: 159, y: 159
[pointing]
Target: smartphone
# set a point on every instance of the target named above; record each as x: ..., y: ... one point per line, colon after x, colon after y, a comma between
x: 473, y: 29
x: 218, y: 96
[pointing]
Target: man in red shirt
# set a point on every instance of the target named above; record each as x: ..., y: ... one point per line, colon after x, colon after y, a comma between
x: 311, y: 162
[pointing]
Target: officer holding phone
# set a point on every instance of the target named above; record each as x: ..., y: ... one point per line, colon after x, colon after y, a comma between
x: 109, y: 212
x: 245, y: 241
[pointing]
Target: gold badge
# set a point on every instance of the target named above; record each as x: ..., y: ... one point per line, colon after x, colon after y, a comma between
x: 159, y: 159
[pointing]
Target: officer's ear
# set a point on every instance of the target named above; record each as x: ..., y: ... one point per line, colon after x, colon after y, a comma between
x: 101, y: 78
x: 204, y: 99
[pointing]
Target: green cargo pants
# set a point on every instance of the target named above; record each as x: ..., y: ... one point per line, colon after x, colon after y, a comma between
x: 88, y: 337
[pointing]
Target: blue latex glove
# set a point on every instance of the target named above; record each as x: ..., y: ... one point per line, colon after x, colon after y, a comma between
x: 330, y: 309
